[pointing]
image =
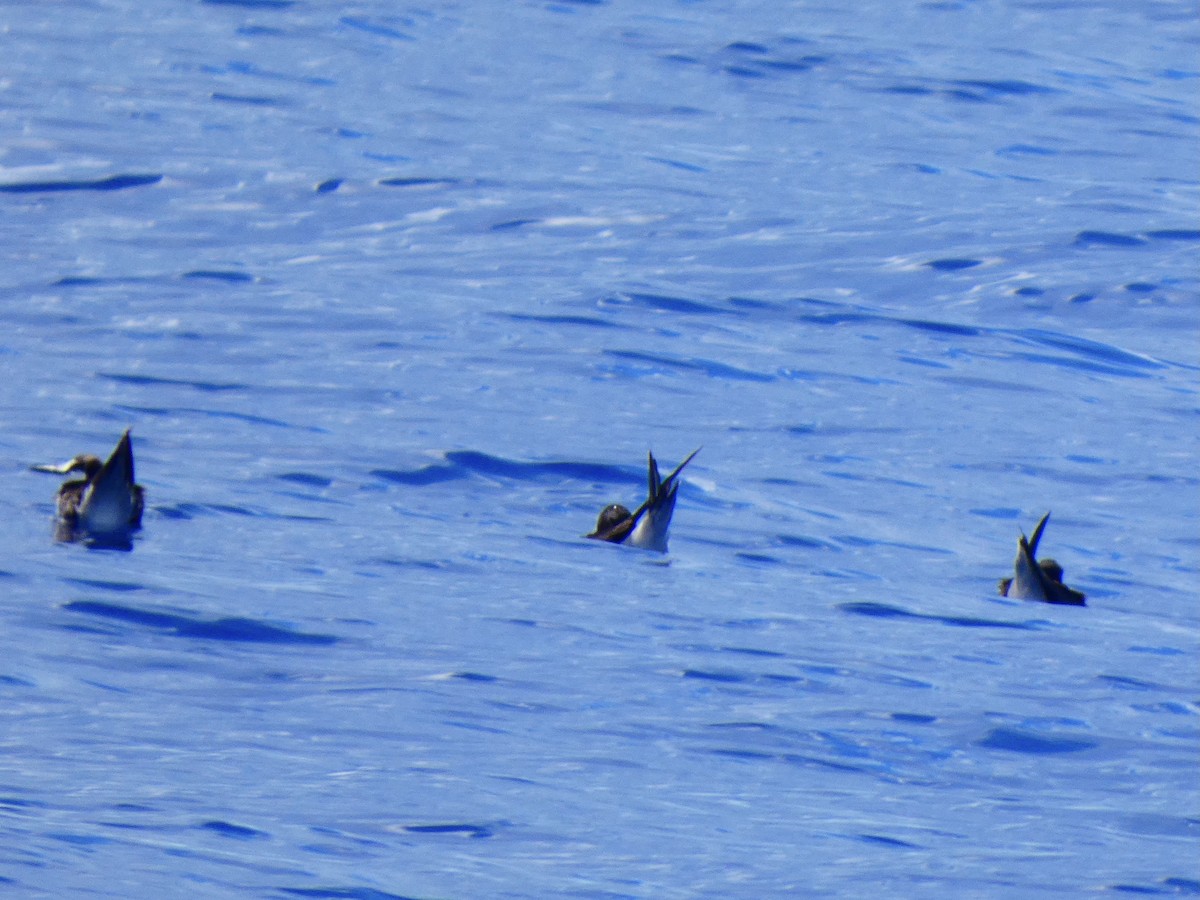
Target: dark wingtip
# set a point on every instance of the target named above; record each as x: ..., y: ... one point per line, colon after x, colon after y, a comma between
x: 654, y: 482
x: 679, y: 468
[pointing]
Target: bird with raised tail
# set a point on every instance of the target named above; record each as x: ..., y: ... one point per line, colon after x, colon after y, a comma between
x: 646, y: 527
x: 1035, y: 579
x: 106, y: 500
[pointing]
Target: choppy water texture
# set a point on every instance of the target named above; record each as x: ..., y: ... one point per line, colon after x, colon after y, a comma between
x: 395, y: 298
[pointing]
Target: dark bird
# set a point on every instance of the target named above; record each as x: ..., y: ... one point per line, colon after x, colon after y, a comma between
x: 646, y: 527
x: 105, y: 501
x: 1035, y: 579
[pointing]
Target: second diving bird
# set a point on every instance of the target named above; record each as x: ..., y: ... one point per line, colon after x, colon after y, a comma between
x: 1035, y: 579
x: 106, y: 500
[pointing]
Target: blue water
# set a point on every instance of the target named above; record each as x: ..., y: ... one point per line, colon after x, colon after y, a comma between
x: 396, y: 298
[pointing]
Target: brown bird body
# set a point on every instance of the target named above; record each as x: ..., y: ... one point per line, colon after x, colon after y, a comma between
x: 106, y: 500
x: 1035, y: 579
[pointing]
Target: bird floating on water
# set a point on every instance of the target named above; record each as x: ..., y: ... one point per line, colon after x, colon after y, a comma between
x: 1035, y: 579
x: 646, y: 527
x: 105, y: 501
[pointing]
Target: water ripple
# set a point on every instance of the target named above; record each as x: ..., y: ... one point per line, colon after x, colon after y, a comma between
x: 341, y: 893
x: 1018, y: 741
x: 886, y: 611
x: 156, y: 380
x: 111, y: 183
x: 462, y: 463
x: 661, y: 363
x: 234, y: 629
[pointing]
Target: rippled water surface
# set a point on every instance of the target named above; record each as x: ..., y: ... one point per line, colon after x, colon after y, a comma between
x: 396, y: 298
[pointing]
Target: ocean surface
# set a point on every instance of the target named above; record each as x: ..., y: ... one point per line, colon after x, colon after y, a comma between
x: 396, y: 297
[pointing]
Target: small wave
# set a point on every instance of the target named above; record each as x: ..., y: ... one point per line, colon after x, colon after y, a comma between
x: 85, y: 281
x: 252, y: 4
x: 249, y: 418
x: 1168, y: 887
x: 460, y: 829
x: 587, y: 321
x: 462, y: 463
x: 754, y: 60
x: 425, y: 475
x: 708, y: 675
x: 475, y: 677
x: 692, y: 364
x: 874, y: 610
x: 307, y: 479
x: 157, y: 380
x: 666, y: 303
x: 1079, y: 364
x: 512, y: 224
x: 885, y: 841
x: 1107, y: 239
x: 218, y: 275
x: 739, y: 651
x: 912, y: 718
x: 909, y: 90
x: 953, y: 264
x: 725, y: 676
x: 365, y: 25
x: 738, y: 753
x: 992, y: 88
x: 1026, y: 150
x: 1174, y: 234
x: 797, y: 64
x: 111, y: 183
x: 1130, y: 684
x: 229, y: 830
x: 942, y: 327
x: 347, y: 893
x: 758, y: 558
x: 474, y: 461
x: 677, y: 164
x: 246, y: 99
x: 121, y: 587
x: 808, y: 543
x: 234, y: 629
x: 806, y: 760
x: 1096, y: 350
x: 1141, y: 287
x: 1018, y: 741
x: 418, y: 182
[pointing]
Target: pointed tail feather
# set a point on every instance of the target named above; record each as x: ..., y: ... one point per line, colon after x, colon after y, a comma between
x: 1037, y: 534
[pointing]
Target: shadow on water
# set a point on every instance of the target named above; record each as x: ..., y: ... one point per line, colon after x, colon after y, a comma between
x: 886, y: 611
x: 121, y: 541
x: 111, y: 183
x: 344, y: 893
x: 1076, y: 352
x: 1017, y: 741
x: 235, y: 629
x: 461, y: 464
